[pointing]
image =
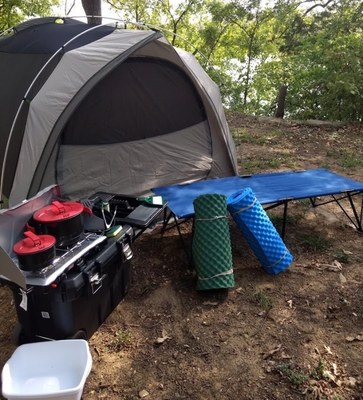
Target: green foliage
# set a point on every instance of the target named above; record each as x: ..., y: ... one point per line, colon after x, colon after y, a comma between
x: 317, y: 54
x: 122, y: 339
x: 262, y: 299
x: 346, y: 158
x: 296, y: 377
x: 15, y: 11
x: 278, y: 219
x: 318, y: 372
x: 341, y: 256
x: 315, y: 241
x: 320, y: 61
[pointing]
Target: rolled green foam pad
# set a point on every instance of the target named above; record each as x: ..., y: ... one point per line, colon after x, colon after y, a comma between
x: 259, y: 231
x: 211, y: 248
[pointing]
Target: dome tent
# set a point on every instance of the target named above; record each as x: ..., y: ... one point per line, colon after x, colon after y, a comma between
x: 101, y: 108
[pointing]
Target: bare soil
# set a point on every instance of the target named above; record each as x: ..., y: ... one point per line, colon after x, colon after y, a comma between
x: 297, y: 335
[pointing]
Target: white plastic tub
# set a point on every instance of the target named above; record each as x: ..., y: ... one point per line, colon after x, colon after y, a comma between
x: 54, y: 370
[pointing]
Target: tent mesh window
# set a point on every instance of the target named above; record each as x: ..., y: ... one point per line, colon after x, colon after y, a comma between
x: 140, y: 99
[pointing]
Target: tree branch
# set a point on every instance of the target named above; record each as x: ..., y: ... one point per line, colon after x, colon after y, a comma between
x: 323, y: 5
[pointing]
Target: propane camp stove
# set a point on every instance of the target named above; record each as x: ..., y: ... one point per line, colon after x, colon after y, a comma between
x: 65, y: 259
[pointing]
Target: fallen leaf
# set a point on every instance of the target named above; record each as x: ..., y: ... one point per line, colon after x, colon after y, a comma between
x: 210, y: 303
x: 342, y: 278
x: 352, y: 338
x: 285, y: 356
x: 143, y: 393
x: 347, y: 252
x: 163, y: 338
x: 272, y: 352
x: 351, y: 381
x: 336, y: 266
x: 328, y: 375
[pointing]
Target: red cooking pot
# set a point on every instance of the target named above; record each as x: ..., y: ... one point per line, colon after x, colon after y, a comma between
x: 62, y: 220
x: 35, y: 252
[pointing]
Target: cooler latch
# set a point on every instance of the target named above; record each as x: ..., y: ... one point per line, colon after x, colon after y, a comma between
x: 96, y: 282
x: 126, y: 250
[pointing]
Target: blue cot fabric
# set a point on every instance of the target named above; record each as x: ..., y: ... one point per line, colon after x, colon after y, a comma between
x: 259, y: 231
x: 268, y: 188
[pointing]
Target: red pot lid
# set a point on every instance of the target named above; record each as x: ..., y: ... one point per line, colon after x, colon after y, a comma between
x: 33, y: 243
x: 58, y: 211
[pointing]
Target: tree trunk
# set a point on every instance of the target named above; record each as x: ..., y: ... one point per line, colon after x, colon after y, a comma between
x: 280, y: 110
x: 92, y: 8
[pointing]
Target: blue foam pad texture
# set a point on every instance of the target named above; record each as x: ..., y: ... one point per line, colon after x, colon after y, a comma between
x: 259, y: 231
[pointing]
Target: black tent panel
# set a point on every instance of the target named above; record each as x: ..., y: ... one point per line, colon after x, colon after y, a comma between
x: 17, y: 71
x: 141, y: 98
x: 47, y: 38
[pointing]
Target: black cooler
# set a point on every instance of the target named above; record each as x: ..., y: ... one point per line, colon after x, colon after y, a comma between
x: 83, y: 287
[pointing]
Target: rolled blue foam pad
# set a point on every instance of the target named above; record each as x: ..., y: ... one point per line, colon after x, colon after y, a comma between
x: 259, y: 231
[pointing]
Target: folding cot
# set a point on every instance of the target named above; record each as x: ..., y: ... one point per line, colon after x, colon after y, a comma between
x: 271, y: 190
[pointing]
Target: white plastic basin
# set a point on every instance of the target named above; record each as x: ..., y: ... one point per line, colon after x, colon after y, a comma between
x: 47, y: 370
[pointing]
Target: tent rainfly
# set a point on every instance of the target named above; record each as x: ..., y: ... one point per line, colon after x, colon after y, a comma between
x: 100, y: 108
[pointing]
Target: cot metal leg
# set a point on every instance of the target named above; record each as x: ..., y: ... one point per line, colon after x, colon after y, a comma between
x: 284, y: 215
x: 166, y: 220
x: 284, y: 218
x: 176, y: 225
x: 357, y: 217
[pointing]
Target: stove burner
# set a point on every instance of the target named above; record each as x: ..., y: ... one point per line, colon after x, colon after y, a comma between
x: 65, y: 259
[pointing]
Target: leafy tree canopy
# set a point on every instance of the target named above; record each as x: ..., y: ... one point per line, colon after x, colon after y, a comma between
x: 14, y: 11
x: 312, y: 49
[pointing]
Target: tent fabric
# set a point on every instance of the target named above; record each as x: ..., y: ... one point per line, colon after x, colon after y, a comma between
x: 268, y: 188
x: 152, y: 83
x: 164, y: 159
x: 146, y: 111
x: 216, y: 115
x: 69, y: 76
x: 50, y: 38
x: 22, y: 56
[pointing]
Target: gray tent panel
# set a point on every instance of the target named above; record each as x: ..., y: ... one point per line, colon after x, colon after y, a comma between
x: 135, y: 167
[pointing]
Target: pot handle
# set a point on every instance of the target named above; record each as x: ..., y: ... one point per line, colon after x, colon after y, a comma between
x: 59, y: 207
x: 33, y: 237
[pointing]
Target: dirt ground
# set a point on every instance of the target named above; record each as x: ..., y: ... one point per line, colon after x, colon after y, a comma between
x: 296, y: 335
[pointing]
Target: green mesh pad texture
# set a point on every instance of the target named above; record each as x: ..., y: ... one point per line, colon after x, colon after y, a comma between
x: 211, y: 248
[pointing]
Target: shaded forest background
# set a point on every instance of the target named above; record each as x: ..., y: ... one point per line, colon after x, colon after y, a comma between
x: 293, y: 58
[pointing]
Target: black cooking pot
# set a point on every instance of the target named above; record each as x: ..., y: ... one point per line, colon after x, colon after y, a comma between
x: 35, y: 252
x: 62, y: 220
